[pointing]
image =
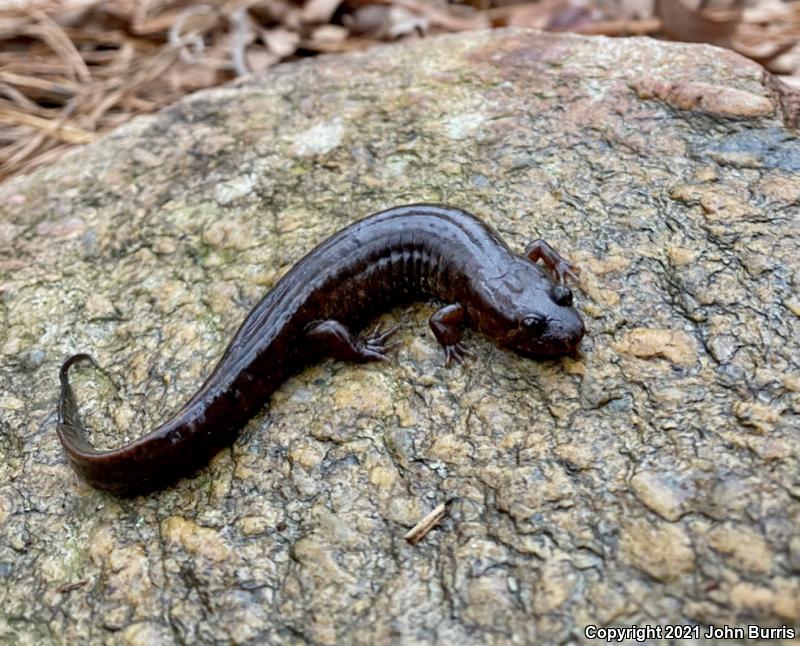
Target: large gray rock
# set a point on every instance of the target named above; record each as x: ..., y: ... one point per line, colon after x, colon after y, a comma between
x: 653, y: 479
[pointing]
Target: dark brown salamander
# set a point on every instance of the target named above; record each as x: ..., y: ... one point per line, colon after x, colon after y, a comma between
x: 385, y: 259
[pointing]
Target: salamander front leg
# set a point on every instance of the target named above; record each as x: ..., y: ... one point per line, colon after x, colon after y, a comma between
x: 446, y: 326
x: 333, y: 339
x: 559, y: 267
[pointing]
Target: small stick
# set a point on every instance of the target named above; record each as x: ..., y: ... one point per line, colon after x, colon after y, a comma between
x: 69, y: 587
x: 420, y: 530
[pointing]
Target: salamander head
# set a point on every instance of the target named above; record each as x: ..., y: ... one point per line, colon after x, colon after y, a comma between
x: 532, y: 314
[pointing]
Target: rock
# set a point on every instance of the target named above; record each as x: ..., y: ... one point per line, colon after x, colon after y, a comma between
x: 663, y: 493
x: 654, y: 475
x: 193, y: 539
x: 706, y: 97
x: 673, y: 345
x: 663, y: 551
x: 744, y: 545
x: 782, y: 601
x: 794, y: 553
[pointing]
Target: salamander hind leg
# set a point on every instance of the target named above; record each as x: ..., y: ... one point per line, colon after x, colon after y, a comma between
x: 559, y: 267
x: 446, y: 326
x: 334, y: 339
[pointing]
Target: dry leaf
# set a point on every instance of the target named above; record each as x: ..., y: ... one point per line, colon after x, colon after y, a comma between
x: 695, y: 25
x: 281, y: 42
x: 260, y: 58
x: 366, y: 19
x: 329, y: 34
x: 319, y: 11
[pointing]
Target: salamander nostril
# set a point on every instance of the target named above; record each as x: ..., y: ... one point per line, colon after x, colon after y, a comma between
x: 562, y: 295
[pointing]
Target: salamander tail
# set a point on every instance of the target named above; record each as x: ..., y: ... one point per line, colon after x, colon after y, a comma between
x: 70, y: 428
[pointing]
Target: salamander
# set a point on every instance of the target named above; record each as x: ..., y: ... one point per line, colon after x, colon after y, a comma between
x: 520, y: 301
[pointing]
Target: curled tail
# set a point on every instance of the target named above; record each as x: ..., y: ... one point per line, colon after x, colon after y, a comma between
x: 138, y: 467
x: 70, y: 428
x: 99, y: 468
x: 176, y: 448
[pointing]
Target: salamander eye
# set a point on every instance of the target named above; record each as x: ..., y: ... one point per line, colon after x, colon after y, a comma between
x: 562, y: 295
x: 535, y: 324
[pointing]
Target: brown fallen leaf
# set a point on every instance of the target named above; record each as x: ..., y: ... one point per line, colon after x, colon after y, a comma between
x: 696, y: 25
x: 279, y: 41
x: 319, y: 11
x: 617, y: 28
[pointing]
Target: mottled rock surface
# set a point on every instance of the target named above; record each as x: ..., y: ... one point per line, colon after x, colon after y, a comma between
x: 653, y: 479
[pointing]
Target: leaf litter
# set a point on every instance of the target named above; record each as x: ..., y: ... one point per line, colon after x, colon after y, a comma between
x: 71, y: 70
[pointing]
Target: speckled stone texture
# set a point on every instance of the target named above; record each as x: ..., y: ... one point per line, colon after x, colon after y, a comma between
x: 653, y: 479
